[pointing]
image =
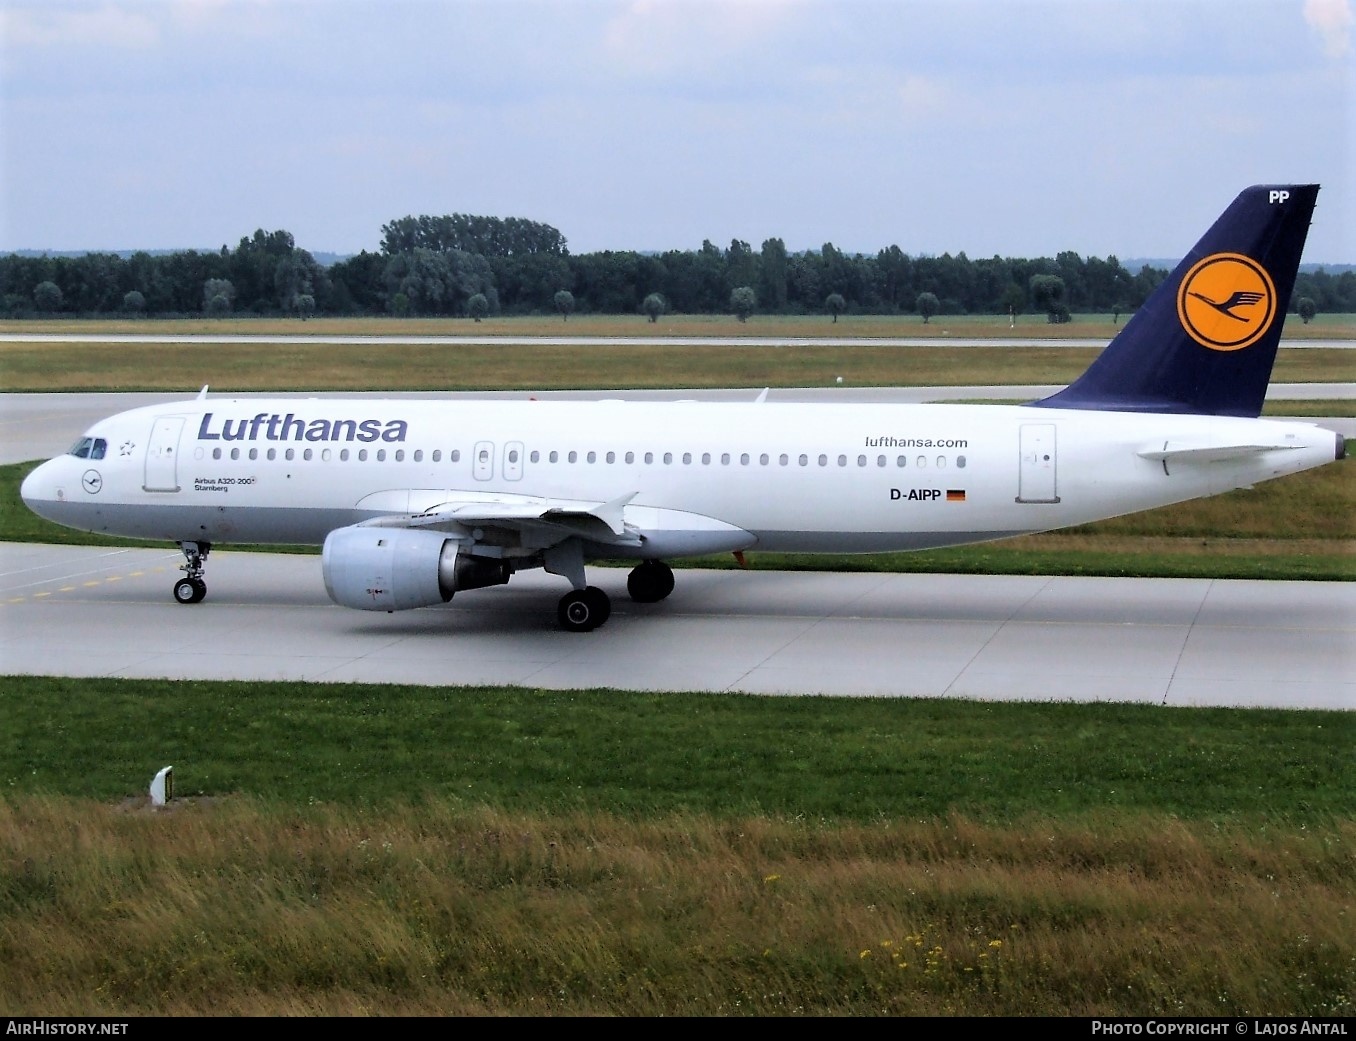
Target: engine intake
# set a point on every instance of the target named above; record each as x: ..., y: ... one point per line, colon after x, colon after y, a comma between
x: 395, y: 569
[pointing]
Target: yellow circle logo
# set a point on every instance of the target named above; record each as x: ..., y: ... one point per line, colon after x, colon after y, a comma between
x: 1226, y: 302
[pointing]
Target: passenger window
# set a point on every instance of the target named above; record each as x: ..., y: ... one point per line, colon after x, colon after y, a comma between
x: 418, y: 455
x: 842, y: 460
x: 861, y: 460
x: 649, y: 458
x: 325, y: 455
x: 573, y: 457
x: 437, y: 455
x: 941, y: 462
x: 534, y: 456
x: 784, y: 459
x: 289, y: 455
x: 592, y: 457
x: 362, y: 455
x: 743, y: 458
x: 668, y: 458
x: 235, y: 453
x: 611, y: 457
x: 216, y: 453
x: 922, y: 462
x: 554, y: 457
x: 823, y: 460
x: 272, y: 454
x: 454, y: 455
x: 762, y: 459
x: 381, y: 455
x: 254, y: 454
x: 687, y: 458
x: 706, y: 459
x: 307, y: 455
x: 960, y: 462
x: 901, y: 462
x: 804, y: 460
x: 880, y: 460
x: 513, y: 455
x: 630, y: 457
x: 343, y: 455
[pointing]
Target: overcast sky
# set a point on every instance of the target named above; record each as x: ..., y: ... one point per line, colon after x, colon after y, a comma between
x: 993, y: 127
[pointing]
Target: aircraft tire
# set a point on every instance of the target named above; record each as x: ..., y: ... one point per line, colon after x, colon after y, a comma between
x: 582, y: 610
x: 190, y: 590
x: 650, y: 582
x: 602, y: 603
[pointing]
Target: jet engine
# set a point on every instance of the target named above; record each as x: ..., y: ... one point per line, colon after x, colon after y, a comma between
x: 393, y: 569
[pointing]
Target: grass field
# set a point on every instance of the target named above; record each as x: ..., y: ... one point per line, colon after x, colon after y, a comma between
x: 381, y: 850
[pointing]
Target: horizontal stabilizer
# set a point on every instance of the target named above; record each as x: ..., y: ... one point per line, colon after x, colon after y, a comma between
x: 1178, y: 451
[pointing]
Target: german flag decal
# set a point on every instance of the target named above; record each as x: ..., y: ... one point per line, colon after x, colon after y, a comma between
x: 955, y: 495
x: 1226, y: 302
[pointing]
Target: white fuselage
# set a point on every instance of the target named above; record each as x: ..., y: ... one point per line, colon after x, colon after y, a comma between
x: 694, y: 476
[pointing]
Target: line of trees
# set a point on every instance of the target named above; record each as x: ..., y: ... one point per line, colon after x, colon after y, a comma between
x: 468, y: 266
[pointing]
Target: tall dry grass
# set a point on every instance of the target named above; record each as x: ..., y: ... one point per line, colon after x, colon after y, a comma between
x: 237, y: 908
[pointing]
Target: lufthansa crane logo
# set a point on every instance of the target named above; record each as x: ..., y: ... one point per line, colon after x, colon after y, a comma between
x: 1226, y: 302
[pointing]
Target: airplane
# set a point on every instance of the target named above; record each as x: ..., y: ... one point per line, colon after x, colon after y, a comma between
x: 416, y: 500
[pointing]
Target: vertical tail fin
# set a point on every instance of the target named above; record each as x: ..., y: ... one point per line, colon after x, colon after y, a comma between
x: 1205, y: 340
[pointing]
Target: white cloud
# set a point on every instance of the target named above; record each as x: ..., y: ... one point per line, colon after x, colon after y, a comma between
x: 1333, y: 21
x: 57, y: 25
x: 667, y: 36
x: 1009, y: 126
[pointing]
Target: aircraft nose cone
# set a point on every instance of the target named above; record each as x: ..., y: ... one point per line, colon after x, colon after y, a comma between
x: 40, y: 490
x: 28, y: 491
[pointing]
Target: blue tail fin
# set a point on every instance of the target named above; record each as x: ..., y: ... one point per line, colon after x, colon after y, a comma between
x: 1205, y: 340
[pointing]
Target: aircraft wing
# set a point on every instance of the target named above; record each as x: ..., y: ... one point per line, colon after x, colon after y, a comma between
x: 528, y: 522
x: 536, y: 521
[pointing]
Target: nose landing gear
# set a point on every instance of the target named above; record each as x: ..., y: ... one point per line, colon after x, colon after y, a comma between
x: 191, y: 588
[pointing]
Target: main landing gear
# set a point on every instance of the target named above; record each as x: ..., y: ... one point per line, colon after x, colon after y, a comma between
x: 649, y: 582
x: 582, y: 610
x: 191, y: 588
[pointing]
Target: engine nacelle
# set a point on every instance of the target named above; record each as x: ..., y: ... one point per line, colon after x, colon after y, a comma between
x: 394, y: 569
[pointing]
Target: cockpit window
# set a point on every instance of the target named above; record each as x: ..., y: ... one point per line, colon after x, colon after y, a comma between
x: 89, y: 448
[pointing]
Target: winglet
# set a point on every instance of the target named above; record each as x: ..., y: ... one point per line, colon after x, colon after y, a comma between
x: 202, y: 394
x: 1205, y: 341
x: 610, y: 513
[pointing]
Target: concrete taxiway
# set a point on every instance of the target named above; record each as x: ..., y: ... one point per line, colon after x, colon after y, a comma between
x: 82, y: 611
